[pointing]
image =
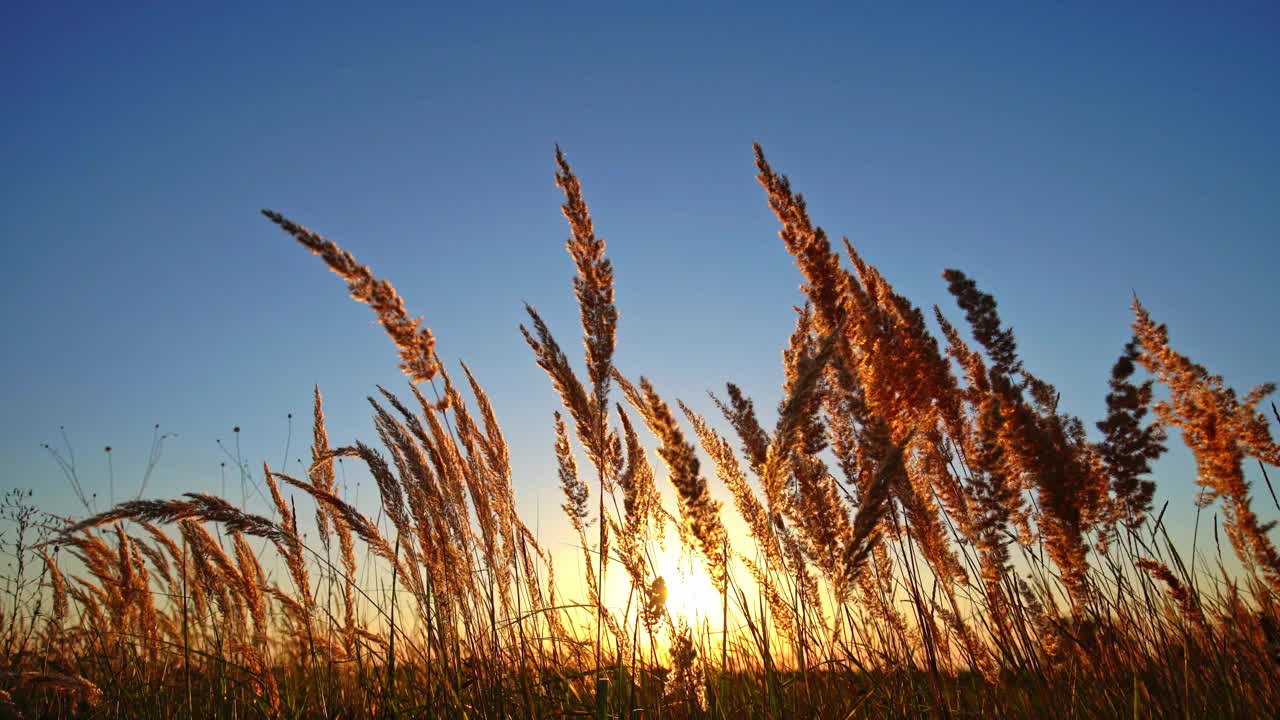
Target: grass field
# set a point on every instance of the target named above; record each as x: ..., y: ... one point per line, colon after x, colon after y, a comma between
x: 923, y: 533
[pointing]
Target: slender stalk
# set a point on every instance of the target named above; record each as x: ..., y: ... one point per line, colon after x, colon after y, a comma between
x: 391, y: 645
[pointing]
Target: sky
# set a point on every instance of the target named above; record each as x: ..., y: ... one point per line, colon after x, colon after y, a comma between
x: 1065, y: 155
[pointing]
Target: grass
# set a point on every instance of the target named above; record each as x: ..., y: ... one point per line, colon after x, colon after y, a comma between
x: 924, y: 534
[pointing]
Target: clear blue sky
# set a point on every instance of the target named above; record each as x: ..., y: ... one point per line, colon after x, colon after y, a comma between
x: 1064, y: 155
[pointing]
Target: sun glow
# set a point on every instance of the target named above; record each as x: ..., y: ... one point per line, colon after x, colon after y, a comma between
x: 690, y: 593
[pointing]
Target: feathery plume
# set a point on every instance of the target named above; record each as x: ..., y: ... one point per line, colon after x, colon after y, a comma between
x: 1221, y: 429
x: 1177, y: 589
x: 593, y: 285
x: 1128, y: 448
x: 59, y: 585
x: 730, y: 473
x: 351, y: 518
x: 699, y: 512
x: 741, y: 414
x: 980, y: 311
x: 808, y: 244
x: 415, y: 341
x: 575, y: 490
x: 321, y: 470
x: 641, y: 503
x: 585, y: 413
x: 198, y: 506
x: 292, y: 550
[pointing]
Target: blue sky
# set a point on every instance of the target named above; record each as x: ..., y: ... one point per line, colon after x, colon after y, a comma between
x: 1064, y: 155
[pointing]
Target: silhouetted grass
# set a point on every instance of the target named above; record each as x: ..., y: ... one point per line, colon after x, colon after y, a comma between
x: 926, y: 533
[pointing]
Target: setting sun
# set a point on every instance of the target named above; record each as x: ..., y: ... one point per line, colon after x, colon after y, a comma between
x: 690, y: 593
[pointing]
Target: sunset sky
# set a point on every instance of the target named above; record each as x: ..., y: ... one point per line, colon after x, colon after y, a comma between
x: 1063, y: 163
